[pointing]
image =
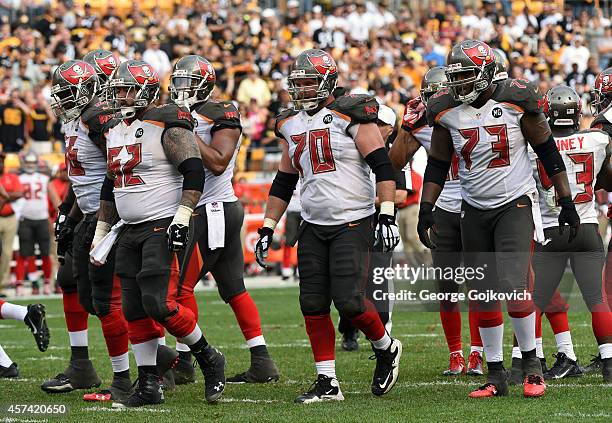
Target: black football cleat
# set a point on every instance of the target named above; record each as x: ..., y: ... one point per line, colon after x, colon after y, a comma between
x: 349, y: 340
x: 212, y: 364
x: 594, y: 366
x: 120, y: 389
x: 167, y: 359
x: 325, y: 388
x: 516, y: 374
x: 36, y: 320
x: 80, y: 374
x: 184, y: 372
x: 387, y: 367
x: 9, y: 372
x: 563, y: 367
x: 606, y: 370
x: 148, y: 392
x: 262, y: 370
x: 544, y: 366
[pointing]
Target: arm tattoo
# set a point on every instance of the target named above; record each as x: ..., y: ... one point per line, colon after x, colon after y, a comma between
x: 179, y: 145
x: 108, y: 212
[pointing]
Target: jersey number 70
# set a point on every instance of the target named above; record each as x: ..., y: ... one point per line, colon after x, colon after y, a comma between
x: 319, y: 145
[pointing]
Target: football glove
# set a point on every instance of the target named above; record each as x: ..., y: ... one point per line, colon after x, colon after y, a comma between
x: 568, y: 215
x: 386, y: 234
x: 426, y: 222
x: 64, y: 238
x: 62, y: 215
x: 413, y: 111
x: 178, y: 231
x: 263, y: 244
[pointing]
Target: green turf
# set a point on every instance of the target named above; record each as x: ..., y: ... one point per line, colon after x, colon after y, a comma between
x: 421, y: 393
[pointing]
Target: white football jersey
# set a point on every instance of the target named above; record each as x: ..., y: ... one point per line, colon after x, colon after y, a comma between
x: 584, y: 154
x: 86, y: 166
x: 147, y: 185
x: 336, y: 186
x: 450, y: 197
x: 209, y: 117
x: 36, y: 197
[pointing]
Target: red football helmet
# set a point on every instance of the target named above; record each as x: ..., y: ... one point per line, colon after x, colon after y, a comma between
x: 73, y: 85
x: 134, y: 85
x: 602, y: 92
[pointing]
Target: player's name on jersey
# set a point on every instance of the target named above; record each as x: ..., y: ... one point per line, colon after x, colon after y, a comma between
x: 570, y: 143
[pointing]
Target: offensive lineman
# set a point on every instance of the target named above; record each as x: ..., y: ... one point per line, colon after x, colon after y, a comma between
x: 154, y: 181
x: 331, y: 144
x: 584, y: 154
x: 488, y: 125
x: 217, y: 245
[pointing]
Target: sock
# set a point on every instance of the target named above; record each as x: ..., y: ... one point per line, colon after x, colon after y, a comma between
x: 601, y: 321
x: 114, y: 328
x: 180, y: 347
x: 185, y: 356
x: 524, y: 329
x: 5, y: 360
x: 46, y: 268
x: 322, y: 335
x: 539, y: 348
x: 147, y: 369
x: 76, y: 318
x: 382, y: 343
x: 144, y: 330
x: 247, y: 316
x: 192, y: 337
x: 327, y: 368
x: 286, y: 263
x: 492, y: 342
x: 259, y: 351
x: 605, y: 350
x: 369, y: 323
x: 565, y: 345
x: 20, y: 269
x: 181, y: 324
x: 12, y: 311
x: 475, y: 340
x: 451, y: 324
x: 121, y: 363
x: 79, y: 353
x: 558, y: 321
x: 145, y: 353
x: 255, y: 342
x: 476, y: 348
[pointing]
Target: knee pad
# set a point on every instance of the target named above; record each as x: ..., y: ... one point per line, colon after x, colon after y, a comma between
x: 314, y: 304
x: 133, y: 314
x: 64, y: 276
x: 350, y: 307
x: 155, y: 307
x: 102, y: 308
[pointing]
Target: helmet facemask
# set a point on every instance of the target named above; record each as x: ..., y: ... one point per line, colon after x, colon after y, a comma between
x: 302, y: 93
x: 187, y: 89
x: 600, y: 101
x: 128, y: 97
x: 429, y: 90
x: 466, y: 83
x: 68, y: 101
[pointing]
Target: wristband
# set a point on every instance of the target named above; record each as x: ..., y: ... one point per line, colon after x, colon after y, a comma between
x: 102, y: 228
x: 269, y: 223
x: 182, y: 215
x: 388, y: 208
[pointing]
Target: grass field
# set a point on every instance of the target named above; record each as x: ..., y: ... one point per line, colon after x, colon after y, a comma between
x: 421, y: 393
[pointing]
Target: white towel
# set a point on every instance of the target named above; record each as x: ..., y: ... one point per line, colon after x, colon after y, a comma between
x: 100, y: 252
x: 538, y: 234
x: 216, y: 225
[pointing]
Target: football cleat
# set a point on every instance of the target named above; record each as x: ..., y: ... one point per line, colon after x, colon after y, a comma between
x: 184, y: 372
x: 606, y: 370
x: 36, y: 320
x: 166, y: 360
x: 121, y: 388
x: 563, y: 367
x: 148, y: 392
x: 544, y: 366
x: 212, y: 364
x: 456, y: 365
x: 9, y: 372
x: 325, y: 388
x: 349, y: 340
x: 387, y: 367
x: 534, y: 386
x: 474, y: 364
x: 80, y: 374
x: 515, y: 374
x: 262, y: 370
x: 594, y: 366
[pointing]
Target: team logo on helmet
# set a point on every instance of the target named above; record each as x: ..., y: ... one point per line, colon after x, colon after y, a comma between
x: 324, y: 64
x: 107, y: 64
x: 479, y: 54
x: 144, y: 74
x: 77, y: 73
x: 207, y: 71
x: 605, y: 82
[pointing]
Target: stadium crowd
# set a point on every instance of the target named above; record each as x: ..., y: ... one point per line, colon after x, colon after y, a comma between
x: 381, y: 47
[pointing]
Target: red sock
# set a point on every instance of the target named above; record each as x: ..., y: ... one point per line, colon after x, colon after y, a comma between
x: 370, y: 324
x: 144, y: 330
x: 558, y: 321
x: 247, y: 315
x: 181, y: 323
x: 32, y: 264
x: 286, y: 257
x: 608, y: 279
x: 475, y: 340
x: 46, y: 267
x: 538, y: 329
x: 75, y: 314
x: 451, y: 324
x: 322, y: 335
x: 114, y: 328
x: 490, y: 319
x: 20, y: 269
x: 1, y: 302
x: 601, y: 320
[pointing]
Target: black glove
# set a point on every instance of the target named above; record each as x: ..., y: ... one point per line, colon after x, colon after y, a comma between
x: 178, y: 236
x: 263, y: 244
x: 64, y: 238
x: 426, y: 222
x: 568, y: 215
x: 62, y: 215
x: 386, y: 234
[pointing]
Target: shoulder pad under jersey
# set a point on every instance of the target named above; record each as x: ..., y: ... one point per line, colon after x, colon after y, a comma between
x: 438, y: 103
x: 359, y: 108
x: 170, y: 115
x: 222, y: 114
x: 520, y: 93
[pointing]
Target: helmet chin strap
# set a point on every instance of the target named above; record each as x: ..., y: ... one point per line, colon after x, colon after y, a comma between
x: 128, y: 112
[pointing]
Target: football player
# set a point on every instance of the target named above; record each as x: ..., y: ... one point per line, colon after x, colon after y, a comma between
x: 602, y: 110
x: 104, y: 63
x: 87, y: 289
x: 414, y: 133
x: 34, y: 318
x: 219, y: 215
x: 331, y: 144
x: 154, y: 181
x: 488, y: 125
x: 586, y: 154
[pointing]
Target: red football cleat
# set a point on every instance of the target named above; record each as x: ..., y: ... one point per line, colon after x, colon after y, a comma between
x: 98, y: 397
x: 485, y: 391
x: 475, y: 364
x: 534, y: 386
x: 456, y: 365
